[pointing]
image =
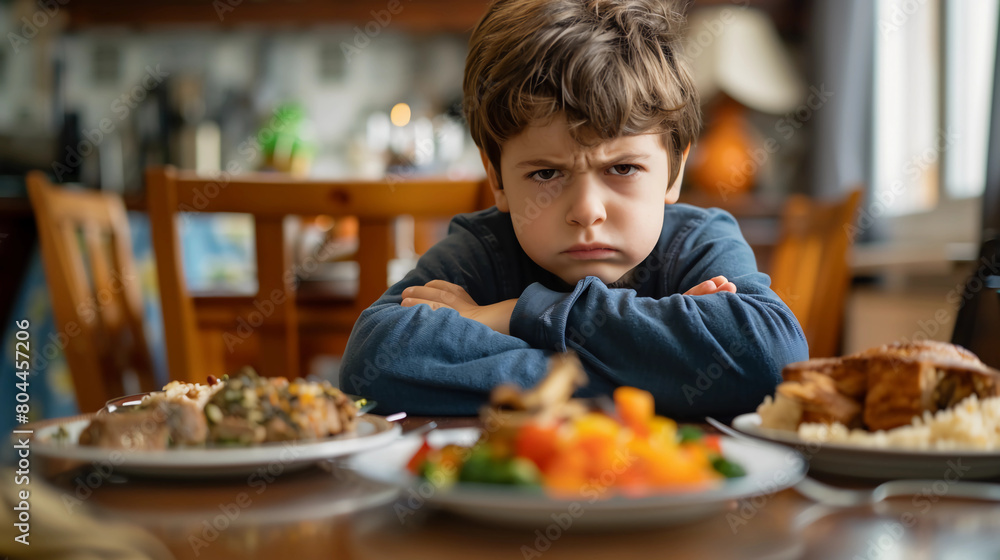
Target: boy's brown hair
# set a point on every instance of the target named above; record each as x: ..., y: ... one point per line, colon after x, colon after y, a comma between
x: 613, y: 66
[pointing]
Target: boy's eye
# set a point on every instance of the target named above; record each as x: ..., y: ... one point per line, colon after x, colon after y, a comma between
x: 624, y: 169
x: 544, y: 175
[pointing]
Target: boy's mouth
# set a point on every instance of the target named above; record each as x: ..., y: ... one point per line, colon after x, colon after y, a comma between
x: 589, y: 251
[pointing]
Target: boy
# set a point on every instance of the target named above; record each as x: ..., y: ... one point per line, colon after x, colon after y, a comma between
x: 583, y: 113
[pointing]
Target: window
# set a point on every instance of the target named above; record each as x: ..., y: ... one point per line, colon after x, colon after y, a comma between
x: 970, y: 48
x: 933, y: 82
x: 909, y: 137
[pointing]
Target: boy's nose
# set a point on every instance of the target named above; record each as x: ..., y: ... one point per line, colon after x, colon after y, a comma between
x: 587, y: 205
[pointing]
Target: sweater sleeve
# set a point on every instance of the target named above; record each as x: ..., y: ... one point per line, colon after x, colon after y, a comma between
x: 436, y: 362
x: 718, y: 354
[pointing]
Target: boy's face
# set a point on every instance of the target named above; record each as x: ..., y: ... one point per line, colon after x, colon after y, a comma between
x: 583, y: 211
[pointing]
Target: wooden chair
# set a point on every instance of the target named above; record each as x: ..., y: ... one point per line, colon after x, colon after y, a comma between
x: 809, y: 267
x: 270, y: 330
x: 95, y: 293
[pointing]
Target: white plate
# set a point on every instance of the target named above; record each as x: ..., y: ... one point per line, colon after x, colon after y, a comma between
x: 372, y: 431
x: 770, y: 468
x: 868, y: 462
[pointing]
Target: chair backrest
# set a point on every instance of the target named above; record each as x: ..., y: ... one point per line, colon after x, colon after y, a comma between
x: 270, y: 199
x: 809, y: 268
x: 95, y: 291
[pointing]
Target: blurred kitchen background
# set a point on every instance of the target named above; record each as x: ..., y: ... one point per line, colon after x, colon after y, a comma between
x: 815, y: 97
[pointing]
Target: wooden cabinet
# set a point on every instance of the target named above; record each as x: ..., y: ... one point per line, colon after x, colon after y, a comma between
x: 410, y: 15
x: 759, y: 218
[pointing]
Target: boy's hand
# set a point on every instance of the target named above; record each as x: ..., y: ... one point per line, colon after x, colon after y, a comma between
x: 439, y: 294
x: 715, y: 285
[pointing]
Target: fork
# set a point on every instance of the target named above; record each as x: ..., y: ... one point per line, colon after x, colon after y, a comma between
x: 731, y: 432
x: 844, y: 497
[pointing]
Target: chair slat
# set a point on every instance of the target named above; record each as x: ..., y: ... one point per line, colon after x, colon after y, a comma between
x: 274, y: 197
x: 270, y: 199
x: 809, y: 270
x: 99, y: 317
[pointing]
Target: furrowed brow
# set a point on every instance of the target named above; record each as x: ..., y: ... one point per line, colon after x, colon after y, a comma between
x: 618, y: 158
x: 624, y: 158
x: 539, y: 163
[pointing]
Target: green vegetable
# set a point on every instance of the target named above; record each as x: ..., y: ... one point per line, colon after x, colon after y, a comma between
x: 523, y: 472
x: 213, y: 413
x: 483, y: 467
x: 479, y: 467
x: 439, y: 474
x: 689, y: 433
x: 727, y: 468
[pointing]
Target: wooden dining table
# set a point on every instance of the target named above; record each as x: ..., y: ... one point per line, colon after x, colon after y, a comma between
x: 329, y: 512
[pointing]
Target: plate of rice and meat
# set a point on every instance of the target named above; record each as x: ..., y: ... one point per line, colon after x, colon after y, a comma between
x: 904, y: 410
x: 233, y: 426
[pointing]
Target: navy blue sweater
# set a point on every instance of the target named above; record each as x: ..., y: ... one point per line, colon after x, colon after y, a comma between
x: 718, y: 354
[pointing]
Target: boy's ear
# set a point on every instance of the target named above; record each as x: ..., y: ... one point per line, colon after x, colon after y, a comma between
x: 674, y: 192
x: 493, y: 178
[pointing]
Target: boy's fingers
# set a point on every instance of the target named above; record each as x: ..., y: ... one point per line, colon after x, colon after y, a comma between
x: 450, y: 288
x: 706, y: 287
x: 713, y: 286
x: 445, y: 286
x: 441, y: 285
x: 412, y: 302
x: 719, y: 281
x: 430, y: 294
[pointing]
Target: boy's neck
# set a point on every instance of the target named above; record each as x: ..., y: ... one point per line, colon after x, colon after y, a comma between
x: 625, y: 281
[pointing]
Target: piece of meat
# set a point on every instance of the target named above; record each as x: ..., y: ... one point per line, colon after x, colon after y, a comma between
x: 244, y: 410
x: 820, y: 400
x: 187, y: 423
x: 133, y: 430
x: 904, y: 386
x: 850, y: 379
x: 895, y: 383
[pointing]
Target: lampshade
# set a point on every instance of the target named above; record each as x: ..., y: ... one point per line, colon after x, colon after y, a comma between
x: 737, y: 51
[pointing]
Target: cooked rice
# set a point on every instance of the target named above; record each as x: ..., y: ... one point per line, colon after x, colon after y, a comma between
x: 779, y: 413
x: 179, y: 391
x: 970, y: 425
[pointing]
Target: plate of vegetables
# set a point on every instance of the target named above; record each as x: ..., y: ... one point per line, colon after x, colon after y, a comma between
x: 542, y: 458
